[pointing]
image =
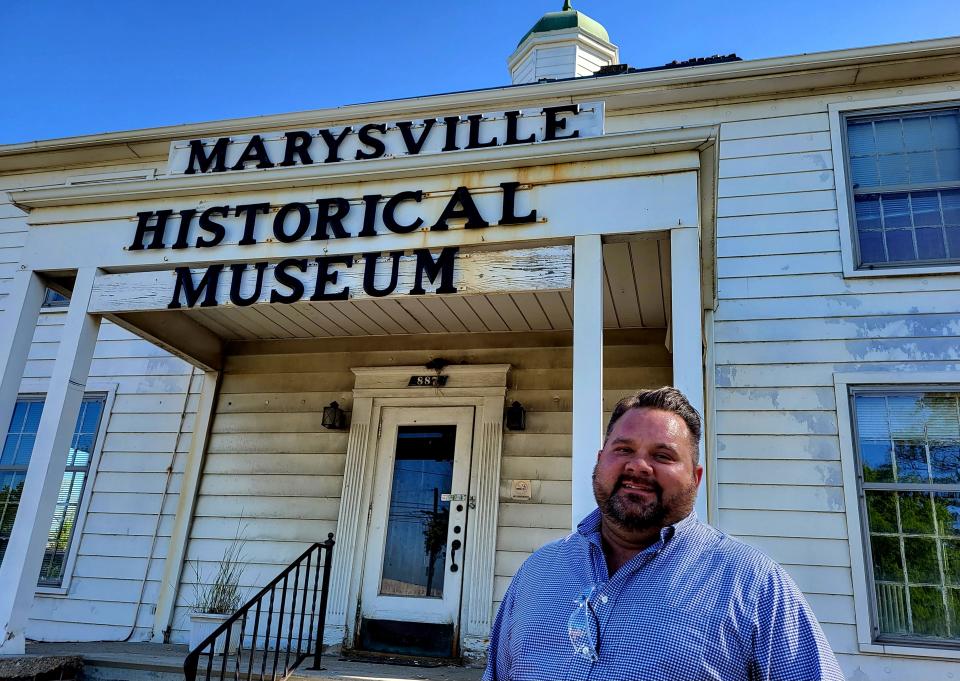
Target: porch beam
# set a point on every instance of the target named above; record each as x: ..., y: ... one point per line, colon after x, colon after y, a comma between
x: 587, y: 370
x: 21, y: 563
x: 17, y: 325
x: 186, y: 503
x: 686, y: 328
x: 547, y: 268
x: 178, y: 335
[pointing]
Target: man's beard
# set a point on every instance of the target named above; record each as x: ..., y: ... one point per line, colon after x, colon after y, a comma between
x: 642, y: 514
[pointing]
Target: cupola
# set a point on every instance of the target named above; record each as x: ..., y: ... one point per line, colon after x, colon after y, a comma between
x: 564, y: 44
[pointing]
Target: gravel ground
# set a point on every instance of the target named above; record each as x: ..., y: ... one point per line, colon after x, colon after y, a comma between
x: 40, y: 668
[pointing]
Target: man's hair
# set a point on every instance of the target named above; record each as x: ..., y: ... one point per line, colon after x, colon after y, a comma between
x: 668, y: 399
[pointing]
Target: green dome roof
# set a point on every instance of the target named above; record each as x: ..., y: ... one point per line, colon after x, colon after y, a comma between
x: 568, y: 18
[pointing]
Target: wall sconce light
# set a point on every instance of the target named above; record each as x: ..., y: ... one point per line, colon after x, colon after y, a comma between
x: 516, y: 417
x: 334, y: 417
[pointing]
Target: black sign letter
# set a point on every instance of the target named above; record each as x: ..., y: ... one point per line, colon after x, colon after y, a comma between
x: 474, y: 139
x: 513, y: 118
x: 391, y: 206
x: 442, y: 266
x: 335, y: 220
x: 215, y: 228
x: 370, y: 274
x: 297, y: 143
x: 282, y: 277
x: 157, y: 229
x: 237, y: 281
x: 333, y: 144
x: 209, y: 282
x: 250, y: 211
x: 375, y: 144
x: 217, y: 157
x: 301, y: 228
x: 461, y: 197
x: 325, y: 276
x: 415, y: 145
x: 254, y: 151
x: 553, y: 123
x: 510, y: 205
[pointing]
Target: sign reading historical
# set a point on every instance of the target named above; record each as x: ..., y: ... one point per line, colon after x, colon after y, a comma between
x: 368, y: 141
x: 319, y: 278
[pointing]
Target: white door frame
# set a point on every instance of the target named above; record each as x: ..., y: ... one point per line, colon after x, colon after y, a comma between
x: 483, y: 387
x: 394, y: 607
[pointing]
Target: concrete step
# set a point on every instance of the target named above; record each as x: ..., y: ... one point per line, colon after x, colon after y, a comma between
x: 104, y: 661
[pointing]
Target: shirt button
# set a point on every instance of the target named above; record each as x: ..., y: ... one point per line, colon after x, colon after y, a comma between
x: 603, y: 598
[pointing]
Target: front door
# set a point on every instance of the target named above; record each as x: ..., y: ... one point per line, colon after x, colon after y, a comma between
x: 413, y: 571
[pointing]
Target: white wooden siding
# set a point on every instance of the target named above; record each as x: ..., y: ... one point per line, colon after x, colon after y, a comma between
x: 786, y: 319
x: 148, y: 430
x: 114, y: 561
x: 274, y: 475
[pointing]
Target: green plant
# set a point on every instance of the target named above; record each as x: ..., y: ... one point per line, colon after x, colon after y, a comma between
x: 222, y: 595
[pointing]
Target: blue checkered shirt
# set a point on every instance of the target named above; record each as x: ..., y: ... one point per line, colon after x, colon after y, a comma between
x: 695, y: 605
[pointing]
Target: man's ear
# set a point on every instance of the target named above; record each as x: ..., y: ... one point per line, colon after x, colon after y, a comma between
x: 599, y: 453
x: 698, y: 473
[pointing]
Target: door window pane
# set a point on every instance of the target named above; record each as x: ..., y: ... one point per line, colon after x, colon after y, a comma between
x: 415, y: 551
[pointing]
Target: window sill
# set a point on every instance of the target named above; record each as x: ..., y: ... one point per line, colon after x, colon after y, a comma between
x: 917, y: 271
x: 910, y: 651
x: 54, y: 591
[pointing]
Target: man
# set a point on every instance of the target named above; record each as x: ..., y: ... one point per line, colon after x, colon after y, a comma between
x: 643, y: 590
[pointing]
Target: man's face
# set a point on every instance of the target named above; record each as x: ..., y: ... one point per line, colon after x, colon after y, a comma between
x: 645, y: 476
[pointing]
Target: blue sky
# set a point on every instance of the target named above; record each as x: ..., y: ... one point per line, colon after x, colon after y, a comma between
x: 89, y: 66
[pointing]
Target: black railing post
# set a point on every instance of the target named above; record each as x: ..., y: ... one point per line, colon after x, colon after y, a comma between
x: 322, y: 619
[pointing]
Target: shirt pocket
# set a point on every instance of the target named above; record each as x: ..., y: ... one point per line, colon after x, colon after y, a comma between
x: 674, y: 645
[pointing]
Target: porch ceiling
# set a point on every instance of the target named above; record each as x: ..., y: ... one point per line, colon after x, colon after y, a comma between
x: 636, y: 295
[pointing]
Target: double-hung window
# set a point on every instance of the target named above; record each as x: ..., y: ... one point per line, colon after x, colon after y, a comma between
x: 14, y: 460
x: 908, y: 449
x: 903, y: 170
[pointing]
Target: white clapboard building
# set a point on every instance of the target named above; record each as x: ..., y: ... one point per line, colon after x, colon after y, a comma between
x: 480, y: 276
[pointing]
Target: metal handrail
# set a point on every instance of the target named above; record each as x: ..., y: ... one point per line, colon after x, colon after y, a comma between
x: 254, y: 654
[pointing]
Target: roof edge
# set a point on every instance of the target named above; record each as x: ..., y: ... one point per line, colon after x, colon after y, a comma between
x: 490, y: 97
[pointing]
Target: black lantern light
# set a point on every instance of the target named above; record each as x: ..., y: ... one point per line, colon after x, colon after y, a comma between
x: 516, y: 417
x: 333, y: 417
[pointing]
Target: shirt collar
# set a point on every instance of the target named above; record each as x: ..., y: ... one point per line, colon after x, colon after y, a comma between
x: 589, y: 528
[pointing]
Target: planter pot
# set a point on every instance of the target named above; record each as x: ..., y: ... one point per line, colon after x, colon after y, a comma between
x: 202, y: 624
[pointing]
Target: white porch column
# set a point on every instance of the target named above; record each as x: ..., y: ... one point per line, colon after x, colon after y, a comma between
x: 686, y: 328
x: 21, y: 563
x: 587, y: 369
x: 17, y: 324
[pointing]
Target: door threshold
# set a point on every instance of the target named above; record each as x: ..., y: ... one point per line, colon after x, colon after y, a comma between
x: 399, y: 660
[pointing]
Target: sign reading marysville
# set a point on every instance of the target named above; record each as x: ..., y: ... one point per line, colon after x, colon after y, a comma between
x: 316, y: 279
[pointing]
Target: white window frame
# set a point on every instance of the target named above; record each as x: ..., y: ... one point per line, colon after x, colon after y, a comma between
x: 109, y: 391
x: 949, y: 381
x: 837, y: 114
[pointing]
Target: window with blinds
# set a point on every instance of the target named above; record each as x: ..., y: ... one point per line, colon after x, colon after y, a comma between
x: 908, y: 446
x: 904, y: 171
x: 14, y: 460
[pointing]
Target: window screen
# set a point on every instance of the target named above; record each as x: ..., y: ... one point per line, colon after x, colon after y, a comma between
x: 905, y: 177
x: 909, y: 455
